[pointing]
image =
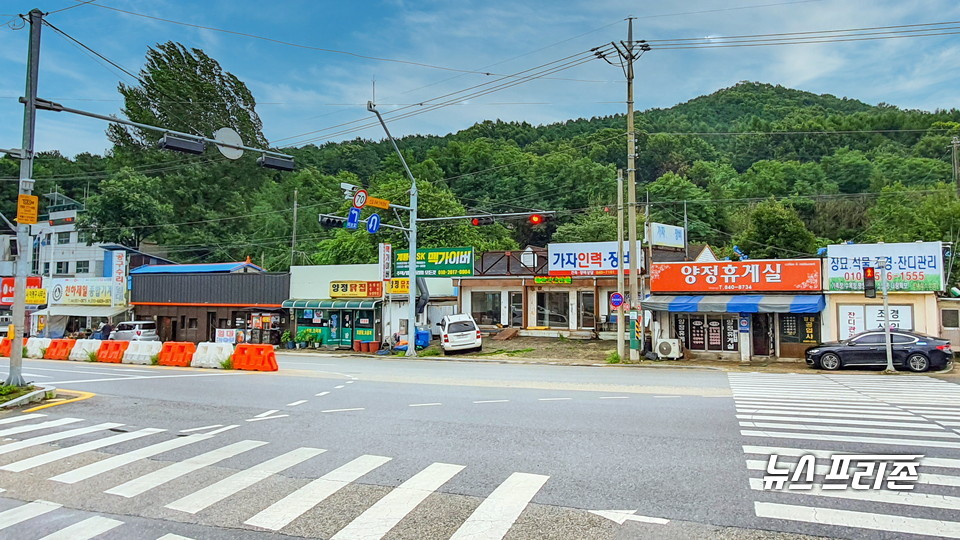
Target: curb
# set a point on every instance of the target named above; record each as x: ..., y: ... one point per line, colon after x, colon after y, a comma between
x: 45, y: 392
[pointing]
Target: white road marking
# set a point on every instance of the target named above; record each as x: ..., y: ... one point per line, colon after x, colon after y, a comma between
x: 925, y: 478
x: 851, y: 438
x: 117, y: 461
x: 554, y: 399
x: 171, y: 536
x: 493, y: 401
x: 221, y: 430
x: 44, y: 439
x: 905, y: 417
x: 281, y: 513
x: 37, y: 375
x: 231, y: 373
x: 620, y: 516
x: 909, y: 498
x: 338, y: 387
x: 857, y: 421
x: 666, y: 397
x: 614, y: 397
x: 321, y: 394
x: 56, y: 455
x: 860, y: 520
x: 200, y: 428
x: 267, y: 418
x: 41, y: 425
x: 24, y: 512
x: 295, y: 403
x: 376, y: 521
x: 424, y: 404
x: 268, y: 413
x: 176, y: 470
x: 349, y: 382
x: 496, y: 514
x: 215, y: 493
x: 825, y: 454
x: 344, y: 410
x: 85, y: 530
x: 21, y: 418
x: 850, y: 429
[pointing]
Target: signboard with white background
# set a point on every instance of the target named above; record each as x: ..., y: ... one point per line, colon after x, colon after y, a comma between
x: 856, y: 318
x: 910, y: 266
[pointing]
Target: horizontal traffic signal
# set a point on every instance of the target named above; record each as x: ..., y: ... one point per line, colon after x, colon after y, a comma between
x: 537, y: 219
x: 332, y: 222
x: 479, y: 221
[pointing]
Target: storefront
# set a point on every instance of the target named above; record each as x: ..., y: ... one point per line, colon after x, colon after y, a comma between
x: 714, y: 311
x: 337, y: 323
x: 78, y: 306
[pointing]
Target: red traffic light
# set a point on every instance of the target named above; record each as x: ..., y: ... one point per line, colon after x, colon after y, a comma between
x: 869, y: 272
x: 478, y: 221
x: 537, y: 219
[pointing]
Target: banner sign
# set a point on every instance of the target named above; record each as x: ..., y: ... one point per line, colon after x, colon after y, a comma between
x: 856, y: 318
x: 226, y: 335
x: 437, y: 262
x: 400, y: 286
x: 552, y: 280
x: 82, y: 291
x: 7, y: 288
x: 666, y: 235
x: 589, y: 258
x: 385, y: 259
x: 780, y: 275
x: 910, y: 266
x: 356, y: 289
x: 119, y: 275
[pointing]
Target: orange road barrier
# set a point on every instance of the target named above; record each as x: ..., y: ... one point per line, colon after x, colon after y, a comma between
x: 112, y: 351
x: 5, y: 347
x: 177, y: 353
x: 59, y: 349
x: 253, y: 357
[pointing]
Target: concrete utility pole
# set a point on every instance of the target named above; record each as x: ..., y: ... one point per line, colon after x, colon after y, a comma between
x: 621, y: 346
x: 956, y: 163
x: 293, y: 239
x: 24, y: 251
x: 886, y: 314
x: 629, y: 57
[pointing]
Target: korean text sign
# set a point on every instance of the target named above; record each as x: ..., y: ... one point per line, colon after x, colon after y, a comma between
x: 588, y: 258
x: 439, y: 262
x: 83, y: 291
x: 356, y: 289
x: 910, y: 266
x: 782, y: 275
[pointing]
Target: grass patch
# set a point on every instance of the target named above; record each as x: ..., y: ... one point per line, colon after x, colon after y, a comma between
x: 613, y: 358
x: 430, y: 351
x: 155, y: 360
x: 8, y: 393
x: 227, y: 364
x: 92, y: 356
x: 516, y: 352
x: 43, y: 352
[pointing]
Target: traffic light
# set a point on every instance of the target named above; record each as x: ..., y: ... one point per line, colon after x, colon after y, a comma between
x: 478, y: 221
x: 332, y: 222
x: 537, y: 219
x: 870, y: 282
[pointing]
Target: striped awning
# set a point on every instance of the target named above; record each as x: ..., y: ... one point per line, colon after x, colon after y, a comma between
x: 294, y: 303
x: 740, y: 303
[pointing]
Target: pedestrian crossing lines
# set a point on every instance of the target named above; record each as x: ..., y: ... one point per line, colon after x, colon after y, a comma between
x: 792, y: 416
x: 223, y: 488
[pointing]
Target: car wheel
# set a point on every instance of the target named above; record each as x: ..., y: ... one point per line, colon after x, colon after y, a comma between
x: 918, y: 362
x: 830, y: 362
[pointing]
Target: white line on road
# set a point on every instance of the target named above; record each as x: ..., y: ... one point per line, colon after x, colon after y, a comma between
x: 27, y: 511
x: 85, y: 530
x: 295, y: 403
x: 268, y: 413
x: 233, y: 373
x: 554, y: 399
x: 117, y: 461
x: 21, y: 418
x: 267, y: 418
x: 859, y: 520
x: 221, y: 430
x: 826, y: 454
x: 496, y: 514
x: 384, y: 515
x: 176, y: 470
x: 666, y: 397
x: 171, y: 536
x: 424, y: 404
x: 41, y: 425
x: 847, y: 429
x: 62, y: 453
x: 794, y: 412
x: 925, y: 478
x: 858, y: 421
x: 614, y: 397
x: 230, y: 485
x: 493, y: 401
x: 851, y: 438
x: 321, y: 394
x: 281, y: 513
x: 44, y: 439
x: 344, y: 410
x: 338, y: 387
x: 200, y: 428
x: 349, y: 382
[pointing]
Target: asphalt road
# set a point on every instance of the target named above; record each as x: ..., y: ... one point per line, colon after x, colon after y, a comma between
x: 347, y: 447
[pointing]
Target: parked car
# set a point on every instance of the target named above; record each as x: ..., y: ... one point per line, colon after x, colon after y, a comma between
x: 459, y: 333
x: 913, y: 351
x: 135, y: 331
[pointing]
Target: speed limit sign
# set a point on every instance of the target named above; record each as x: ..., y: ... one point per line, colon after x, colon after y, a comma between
x: 360, y: 198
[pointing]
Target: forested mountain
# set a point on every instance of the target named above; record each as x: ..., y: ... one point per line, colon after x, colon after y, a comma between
x: 741, y: 161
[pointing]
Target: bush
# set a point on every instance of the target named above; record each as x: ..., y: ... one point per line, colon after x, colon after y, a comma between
x: 227, y: 364
x: 155, y: 360
x: 92, y: 356
x: 613, y: 358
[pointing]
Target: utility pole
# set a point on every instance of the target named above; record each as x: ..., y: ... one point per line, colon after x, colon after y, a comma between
x: 648, y: 233
x: 628, y: 57
x: 686, y: 233
x: 15, y: 378
x: 293, y: 239
x: 621, y: 346
x: 956, y: 163
x: 886, y: 314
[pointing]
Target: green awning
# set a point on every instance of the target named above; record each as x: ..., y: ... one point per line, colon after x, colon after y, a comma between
x: 294, y: 303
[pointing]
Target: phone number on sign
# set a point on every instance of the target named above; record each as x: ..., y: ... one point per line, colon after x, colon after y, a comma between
x: 904, y: 276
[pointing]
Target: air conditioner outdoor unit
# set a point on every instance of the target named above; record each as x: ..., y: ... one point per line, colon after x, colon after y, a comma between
x: 669, y: 348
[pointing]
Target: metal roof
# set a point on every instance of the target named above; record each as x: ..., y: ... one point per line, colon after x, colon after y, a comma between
x: 330, y: 304
x: 203, y: 268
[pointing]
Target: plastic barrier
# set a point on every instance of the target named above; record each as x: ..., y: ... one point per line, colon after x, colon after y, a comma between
x: 82, y: 349
x: 36, y: 346
x: 5, y: 347
x: 252, y: 357
x: 142, y: 352
x: 112, y: 351
x: 212, y: 355
x: 177, y: 353
x: 59, y: 349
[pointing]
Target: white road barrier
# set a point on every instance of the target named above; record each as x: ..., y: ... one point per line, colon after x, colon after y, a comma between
x: 211, y: 355
x: 36, y: 346
x: 142, y: 352
x: 82, y: 349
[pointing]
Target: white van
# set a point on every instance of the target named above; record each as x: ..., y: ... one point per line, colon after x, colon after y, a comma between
x: 459, y: 333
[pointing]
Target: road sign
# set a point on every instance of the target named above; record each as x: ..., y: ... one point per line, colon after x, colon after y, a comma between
x: 378, y: 203
x: 360, y: 198
x: 616, y: 299
x: 353, y: 218
x: 27, y: 207
x: 373, y: 223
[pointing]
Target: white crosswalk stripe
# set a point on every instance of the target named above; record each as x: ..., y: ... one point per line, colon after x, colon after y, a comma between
x: 56, y: 455
x: 109, y: 464
x: 497, y: 513
x: 9, y: 518
x: 86, y: 529
x: 52, y: 437
x: 869, y: 415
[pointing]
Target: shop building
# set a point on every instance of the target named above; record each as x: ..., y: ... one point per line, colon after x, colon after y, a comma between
x: 737, y: 310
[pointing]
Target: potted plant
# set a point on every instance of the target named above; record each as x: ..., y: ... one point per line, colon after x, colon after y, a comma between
x: 302, y: 338
x: 287, y: 339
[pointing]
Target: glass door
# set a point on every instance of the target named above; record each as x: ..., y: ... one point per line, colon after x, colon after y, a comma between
x: 586, y: 309
x: 516, y: 309
x: 762, y: 334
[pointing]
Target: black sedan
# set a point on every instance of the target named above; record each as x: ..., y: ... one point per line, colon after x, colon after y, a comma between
x: 916, y: 352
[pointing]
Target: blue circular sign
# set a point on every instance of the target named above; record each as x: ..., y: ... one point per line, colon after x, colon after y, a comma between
x: 616, y: 299
x: 373, y: 223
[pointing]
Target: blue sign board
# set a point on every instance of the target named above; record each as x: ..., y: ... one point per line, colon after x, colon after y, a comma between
x: 616, y: 299
x: 373, y: 223
x: 353, y: 218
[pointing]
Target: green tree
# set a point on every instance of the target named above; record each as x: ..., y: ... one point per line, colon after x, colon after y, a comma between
x: 775, y: 231
x: 126, y: 211
x: 596, y: 226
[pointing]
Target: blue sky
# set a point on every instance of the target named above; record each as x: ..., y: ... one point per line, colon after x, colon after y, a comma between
x: 303, y: 93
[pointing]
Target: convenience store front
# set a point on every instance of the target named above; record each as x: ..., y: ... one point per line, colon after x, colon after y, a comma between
x: 779, y: 323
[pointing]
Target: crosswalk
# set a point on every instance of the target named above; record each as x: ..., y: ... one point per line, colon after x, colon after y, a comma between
x: 125, y: 475
x: 796, y: 415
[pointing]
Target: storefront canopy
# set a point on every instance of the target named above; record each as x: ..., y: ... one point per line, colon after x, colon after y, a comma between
x: 82, y: 311
x: 746, y: 303
x: 330, y: 304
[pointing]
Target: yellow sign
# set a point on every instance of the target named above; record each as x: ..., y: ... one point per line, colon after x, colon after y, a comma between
x: 27, y: 208
x: 36, y: 296
x: 400, y: 286
x: 378, y: 203
x: 356, y: 289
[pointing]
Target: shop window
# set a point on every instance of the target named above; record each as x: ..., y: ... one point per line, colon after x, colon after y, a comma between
x: 83, y: 267
x: 63, y: 267
x: 950, y: 318
x: 800, y: 328
x: 485, y: 307
x: 715, y: 332
x: 552, y: 309
x: 193, y: 322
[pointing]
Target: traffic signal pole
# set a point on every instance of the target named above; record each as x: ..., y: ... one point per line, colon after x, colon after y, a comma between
x: 886, y: 316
